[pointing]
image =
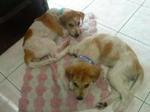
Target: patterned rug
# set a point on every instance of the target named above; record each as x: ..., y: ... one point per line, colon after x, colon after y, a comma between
x: 45, y: 89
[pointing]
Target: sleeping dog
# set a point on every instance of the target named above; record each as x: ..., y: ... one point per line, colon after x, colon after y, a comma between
x: 124, y: 75
x: 41, y: 38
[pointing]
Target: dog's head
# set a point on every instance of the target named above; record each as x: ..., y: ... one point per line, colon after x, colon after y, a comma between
x: 81, y: 76
x: 72, y: 21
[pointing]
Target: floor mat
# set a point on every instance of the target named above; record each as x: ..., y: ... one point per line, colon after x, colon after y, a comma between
x: 45, y: 89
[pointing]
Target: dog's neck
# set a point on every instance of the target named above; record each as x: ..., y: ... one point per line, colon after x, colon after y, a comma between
x: 84, y: 58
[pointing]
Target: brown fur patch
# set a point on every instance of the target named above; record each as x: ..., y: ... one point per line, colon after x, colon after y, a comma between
x: 107, y: 49
x: 27, y: 35
x: 98, y: 43
x: 49, y: 21
x: 70, y: 16
x: 29, y: 55
x: 83, y: 72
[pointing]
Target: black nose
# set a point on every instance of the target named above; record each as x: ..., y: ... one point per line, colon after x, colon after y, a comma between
x: 79, y: 98
x: 76, y: 35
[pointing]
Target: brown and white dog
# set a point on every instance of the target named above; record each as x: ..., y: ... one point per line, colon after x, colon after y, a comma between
x: 40, y: 39
x: 124, y: 75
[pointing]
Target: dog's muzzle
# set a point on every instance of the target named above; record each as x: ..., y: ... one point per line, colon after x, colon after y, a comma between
x: 79, y: 98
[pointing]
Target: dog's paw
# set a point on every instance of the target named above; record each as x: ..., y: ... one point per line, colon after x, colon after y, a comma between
x: 101, y: 105
x: 52, y: 60
x: 52, y: 54
x: 73, y: 49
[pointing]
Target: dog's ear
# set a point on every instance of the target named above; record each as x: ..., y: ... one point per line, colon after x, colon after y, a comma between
x: 95, y: 73
x: 81, y: 14
x: 63, y: 20
x: 69, y: 72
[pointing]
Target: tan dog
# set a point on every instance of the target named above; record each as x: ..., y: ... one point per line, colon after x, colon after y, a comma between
x: 125, y: 73
x: 40, y: 39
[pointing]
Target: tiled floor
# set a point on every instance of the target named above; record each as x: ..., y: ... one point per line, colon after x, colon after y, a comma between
x: 128, y: 19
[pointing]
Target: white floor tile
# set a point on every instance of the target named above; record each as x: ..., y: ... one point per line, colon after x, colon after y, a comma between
x: 103, y: 29
x: 10, y: 59
x: 138, y: 26
x: 112, y: 13
x: 145, y: 108
x: 1, y: 77
x: 17, y: 76
x: 147, y: 3
x: 148, y: 100
x: 5, y: 107
x: 143, y: 53
x: 136, y: 1
x: 76, y: 4
x: 8, y: 95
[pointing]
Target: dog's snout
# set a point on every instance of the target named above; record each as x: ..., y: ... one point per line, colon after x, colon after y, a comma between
x: 76, y: 35
x: 79, y: 98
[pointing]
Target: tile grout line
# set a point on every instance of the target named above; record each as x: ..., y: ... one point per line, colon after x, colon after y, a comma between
x: 130, y: 37
x: 11, y: 71
x: 6, y: 78
x: 143, y: 102
x: 140, y: 6
x: 13, y: 84
x: 88, y: 5
x: 129, y: 18
x: 106, y: 26
x: 139, y: 98
x: 15, y: 69
x: 2, y: 76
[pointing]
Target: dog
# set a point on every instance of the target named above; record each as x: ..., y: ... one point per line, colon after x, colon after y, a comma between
x: 40, y: 40
x: 124, y: 74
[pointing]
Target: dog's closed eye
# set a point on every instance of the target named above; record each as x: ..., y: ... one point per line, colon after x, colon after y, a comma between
x: 71, y: 25
x: 75, y: 84
x: 87, y: 85
x: 78, y: 23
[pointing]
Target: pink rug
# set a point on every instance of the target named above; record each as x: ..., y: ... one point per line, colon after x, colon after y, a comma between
x: 45, y: 89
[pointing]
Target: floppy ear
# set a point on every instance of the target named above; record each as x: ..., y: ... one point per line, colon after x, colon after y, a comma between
x: 81, y: 15
x: 62, y: 20
x: 96, y: 71
x: 68, y: 73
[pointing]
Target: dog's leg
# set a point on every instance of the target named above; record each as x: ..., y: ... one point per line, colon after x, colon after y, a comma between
x: 64, y: 45
x: 43, y: 62
x: 119, y: 82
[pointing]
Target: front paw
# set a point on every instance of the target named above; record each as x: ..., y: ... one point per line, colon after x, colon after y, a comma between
x: 101, y: 105
x: 52, y: 54
x: 73, y: 49
x: 52, y: 60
